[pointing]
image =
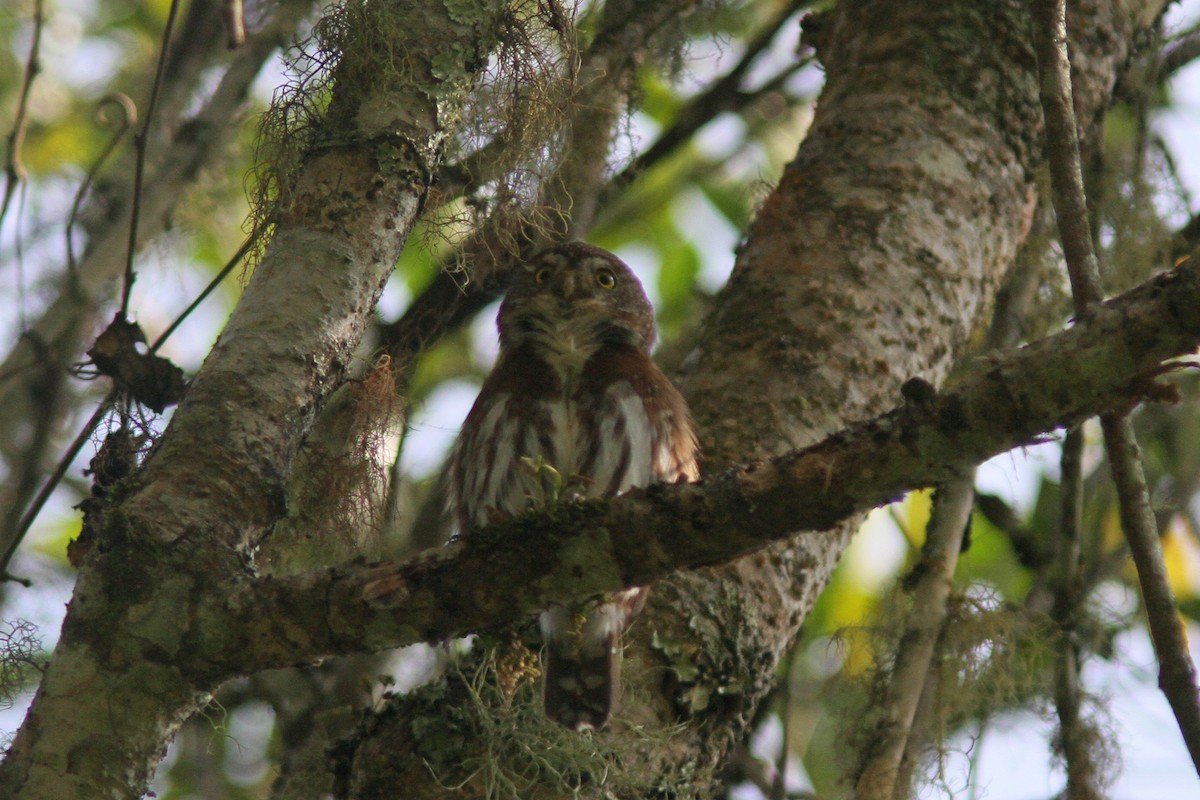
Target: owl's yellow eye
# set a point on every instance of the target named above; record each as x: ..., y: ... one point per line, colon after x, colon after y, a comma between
x: 541, y: 275
x: 605, y: 278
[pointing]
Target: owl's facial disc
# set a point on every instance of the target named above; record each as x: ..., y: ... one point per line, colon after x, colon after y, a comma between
x: 579, y: 294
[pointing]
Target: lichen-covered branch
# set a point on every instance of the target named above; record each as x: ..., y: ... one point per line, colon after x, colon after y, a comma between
x: 182, y: 530
x: 577, y: 550
x: 880, y: 771
x: 1177, y: 672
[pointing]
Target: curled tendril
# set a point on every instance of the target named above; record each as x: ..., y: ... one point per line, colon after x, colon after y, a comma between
x: 121, y: 101
x: 114, y: 101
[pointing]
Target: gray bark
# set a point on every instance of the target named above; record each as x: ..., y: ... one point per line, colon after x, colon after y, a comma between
x: 121, y: 673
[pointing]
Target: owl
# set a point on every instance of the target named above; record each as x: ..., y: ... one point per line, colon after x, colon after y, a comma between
x: 574, y: 396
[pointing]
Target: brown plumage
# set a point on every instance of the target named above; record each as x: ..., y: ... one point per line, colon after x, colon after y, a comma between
x: 574, y: 406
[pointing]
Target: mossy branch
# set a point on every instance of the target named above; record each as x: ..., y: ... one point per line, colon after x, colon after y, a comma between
x: 1177, y: 673
x: 578, y: 550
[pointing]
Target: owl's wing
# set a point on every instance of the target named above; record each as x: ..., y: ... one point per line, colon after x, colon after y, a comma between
x: 487, y: 476
x: 641, y: 407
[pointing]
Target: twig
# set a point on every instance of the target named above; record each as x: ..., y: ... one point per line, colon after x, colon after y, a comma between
x: 1177, y: 674
x: 128, y: 120
x: 923, y: 627
x: 1068, y: 594
x: 14, y: 170
x: 1062, y: 152
x: 140, y: 143
x: 28, y: 466
x: 15, y: 536
x: 234, y: 260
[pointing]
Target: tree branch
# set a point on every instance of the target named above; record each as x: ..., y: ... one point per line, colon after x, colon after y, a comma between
x: 1177, y: 673
x: 881, y: 768
x: 215, y: 480
x: 61, y: 328
x: 1069, y: 596
x: 1009, y: 400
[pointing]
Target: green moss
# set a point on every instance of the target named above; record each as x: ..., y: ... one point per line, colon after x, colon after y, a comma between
x: 467, y: 730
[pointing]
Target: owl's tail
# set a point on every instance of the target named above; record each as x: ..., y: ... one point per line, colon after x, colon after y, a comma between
x: 582, y: 682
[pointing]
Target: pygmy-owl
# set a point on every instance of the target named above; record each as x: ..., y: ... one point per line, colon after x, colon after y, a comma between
x: 574, y: 394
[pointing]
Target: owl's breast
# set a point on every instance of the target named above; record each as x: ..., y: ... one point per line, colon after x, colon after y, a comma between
x: 541, y: 431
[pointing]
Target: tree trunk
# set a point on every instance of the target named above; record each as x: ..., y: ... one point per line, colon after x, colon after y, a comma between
x: 121, y: 675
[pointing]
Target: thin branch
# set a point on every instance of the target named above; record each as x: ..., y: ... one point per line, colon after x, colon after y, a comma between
x: 881, y: 767
x: 1010, y: 400
x: 1067, y: 584
x: 141, y: 142
x: 14, y: 170
x: 14, y: 537
x: 1177, y: 673
x: 28, y: 467
x: 1062, y: 150
x: 247, y: 245
x: 127, y: 121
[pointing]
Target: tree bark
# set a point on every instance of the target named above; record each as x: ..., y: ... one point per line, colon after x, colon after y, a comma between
x: 579, y: 550
x: 214, y: 484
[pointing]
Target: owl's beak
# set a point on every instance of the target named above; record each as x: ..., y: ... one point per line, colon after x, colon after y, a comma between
x: 568, y: 286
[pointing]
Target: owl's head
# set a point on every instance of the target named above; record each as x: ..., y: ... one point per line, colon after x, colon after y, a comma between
x: 577, y: 290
